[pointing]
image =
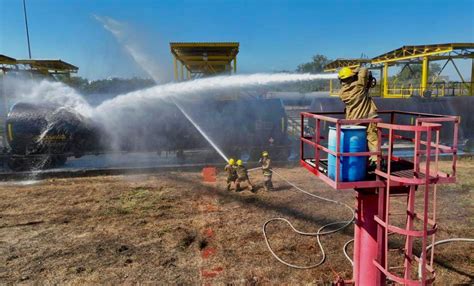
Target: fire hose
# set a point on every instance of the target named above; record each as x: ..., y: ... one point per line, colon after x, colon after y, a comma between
x: 317, y: 234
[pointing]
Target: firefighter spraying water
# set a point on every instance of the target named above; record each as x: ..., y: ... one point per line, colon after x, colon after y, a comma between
x: 355, y: 85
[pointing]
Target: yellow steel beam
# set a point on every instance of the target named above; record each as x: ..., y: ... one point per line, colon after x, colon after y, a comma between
x: 235, y: 65
x: 424, y: 74
x: 210, y: 58
x: 192, y: 63
x: 415, y: 55
x: 385, y: 80
x: 182, y: 71
x: 175, y: 65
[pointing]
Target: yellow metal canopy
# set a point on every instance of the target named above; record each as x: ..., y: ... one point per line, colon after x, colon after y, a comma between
x: 434, y: 52
x: 5, y: 60
x: 50, y: 66
x: 205, y: 58
x: 407, y: 55
x: 42, y: 66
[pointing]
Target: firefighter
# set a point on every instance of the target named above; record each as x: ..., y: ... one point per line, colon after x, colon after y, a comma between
x: 231, y: 171
x: 242, y: 177
x: 267, y: 171
x: 354, y: 93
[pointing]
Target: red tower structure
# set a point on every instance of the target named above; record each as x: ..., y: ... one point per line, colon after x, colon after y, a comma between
x: 411, y: 174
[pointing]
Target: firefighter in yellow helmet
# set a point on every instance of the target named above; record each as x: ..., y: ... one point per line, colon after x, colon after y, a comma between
x: 354, y: 93
x: 242, y: 177
x: 267, y: 171
x: 231, y: 170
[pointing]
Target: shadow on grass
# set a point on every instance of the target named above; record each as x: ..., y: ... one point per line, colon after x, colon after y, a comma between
x: 282, y: 208
x: 263, y: 203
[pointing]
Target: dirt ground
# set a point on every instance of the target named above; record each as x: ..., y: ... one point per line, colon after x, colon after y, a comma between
x: 170, y: 228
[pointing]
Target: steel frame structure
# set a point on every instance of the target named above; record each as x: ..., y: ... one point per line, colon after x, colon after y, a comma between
x: 45, y: 67
x: 204, y: 58
x: 373, y: 224
x: 408, y: 55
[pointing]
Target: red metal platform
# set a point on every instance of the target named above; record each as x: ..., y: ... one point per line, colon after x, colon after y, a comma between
x: 396, y: 175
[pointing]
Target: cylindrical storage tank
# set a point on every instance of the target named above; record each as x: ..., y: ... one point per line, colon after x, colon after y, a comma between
x: 353, y: 139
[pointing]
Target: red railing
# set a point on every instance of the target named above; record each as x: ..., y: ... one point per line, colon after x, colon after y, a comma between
x: 312, y: 163
x: 393, y: 175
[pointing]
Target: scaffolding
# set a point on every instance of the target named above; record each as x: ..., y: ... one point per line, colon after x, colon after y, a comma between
x: 407, y: 56
x: 194, y: 60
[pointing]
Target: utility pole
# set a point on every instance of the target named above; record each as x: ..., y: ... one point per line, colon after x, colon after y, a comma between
x: 27, y: 32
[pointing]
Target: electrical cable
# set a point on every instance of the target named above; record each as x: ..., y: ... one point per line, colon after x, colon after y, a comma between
x: 318, y: 233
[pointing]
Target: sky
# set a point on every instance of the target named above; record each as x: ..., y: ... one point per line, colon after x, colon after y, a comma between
x: 274, y: 35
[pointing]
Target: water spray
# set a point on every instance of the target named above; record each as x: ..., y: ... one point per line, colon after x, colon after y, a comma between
x: 214, y: 145
x: 173, y: 90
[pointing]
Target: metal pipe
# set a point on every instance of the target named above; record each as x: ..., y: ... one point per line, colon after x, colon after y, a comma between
x: 27, y: 30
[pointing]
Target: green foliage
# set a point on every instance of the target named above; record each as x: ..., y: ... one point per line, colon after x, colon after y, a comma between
x: 315, y: 66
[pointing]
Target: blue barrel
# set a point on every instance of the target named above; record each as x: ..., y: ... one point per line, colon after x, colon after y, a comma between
x: 353, y: 139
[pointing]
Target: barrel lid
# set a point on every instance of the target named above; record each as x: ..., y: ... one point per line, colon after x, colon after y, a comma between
x: 350, y: 127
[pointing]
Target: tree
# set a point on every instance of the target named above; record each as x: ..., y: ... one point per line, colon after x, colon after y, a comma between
x: 315, y: 66
x: 75, y: 82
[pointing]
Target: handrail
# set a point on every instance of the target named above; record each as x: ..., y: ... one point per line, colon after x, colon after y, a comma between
x: 424, y: 123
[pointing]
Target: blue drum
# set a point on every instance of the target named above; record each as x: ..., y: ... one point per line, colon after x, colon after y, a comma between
x: 353, y: 139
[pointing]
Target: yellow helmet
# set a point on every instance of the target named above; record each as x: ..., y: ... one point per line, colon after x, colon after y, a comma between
x: 264, y: 153
x: 345, y: 72
x: 231, y: 161
x: 239, y: 162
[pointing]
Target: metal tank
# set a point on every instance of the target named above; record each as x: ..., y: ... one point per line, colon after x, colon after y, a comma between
x: 44, y: 135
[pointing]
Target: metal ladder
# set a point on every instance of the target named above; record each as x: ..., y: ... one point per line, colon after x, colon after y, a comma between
x: 406, y: 183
